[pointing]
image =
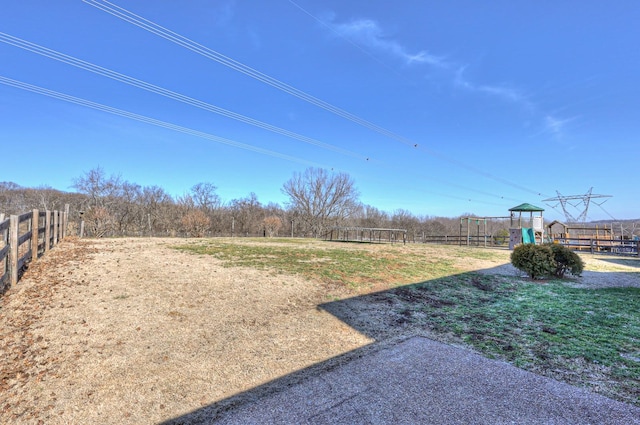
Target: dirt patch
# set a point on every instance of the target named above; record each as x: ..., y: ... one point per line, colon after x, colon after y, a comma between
x: 132, y: 331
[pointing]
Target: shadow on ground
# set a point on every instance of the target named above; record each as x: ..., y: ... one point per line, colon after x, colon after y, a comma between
x: 413, y: 379
x: 381, y: 316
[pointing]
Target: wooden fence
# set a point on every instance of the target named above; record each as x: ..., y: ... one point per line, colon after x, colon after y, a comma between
x: 473, y: 240
x: 27, y: 237
x: 597, y: 246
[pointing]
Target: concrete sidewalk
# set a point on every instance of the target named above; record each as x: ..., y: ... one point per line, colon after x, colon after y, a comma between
x: 420, y: 381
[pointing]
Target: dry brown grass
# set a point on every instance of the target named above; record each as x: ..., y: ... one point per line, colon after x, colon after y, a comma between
x: 96, y: 334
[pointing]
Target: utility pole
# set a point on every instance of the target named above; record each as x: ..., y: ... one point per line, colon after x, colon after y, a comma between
x: 575, y: 201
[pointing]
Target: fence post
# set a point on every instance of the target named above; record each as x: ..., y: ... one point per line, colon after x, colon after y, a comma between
x: 47, y: 230
x: 13, y: 250
x: 66, y: 221
x: 56, y: 226
x: 35, y: 224
x: 4, y: 232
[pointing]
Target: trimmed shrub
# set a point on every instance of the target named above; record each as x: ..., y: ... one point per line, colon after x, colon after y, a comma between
x: 535, y: 260
x: 541, y: 261
x: 566, y: 261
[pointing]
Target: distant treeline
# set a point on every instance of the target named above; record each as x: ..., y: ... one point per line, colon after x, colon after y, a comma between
x: 112, y: 206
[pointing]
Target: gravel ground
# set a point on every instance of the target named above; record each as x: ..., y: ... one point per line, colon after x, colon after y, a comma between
x: 420, y: 381
x: 600, y: 275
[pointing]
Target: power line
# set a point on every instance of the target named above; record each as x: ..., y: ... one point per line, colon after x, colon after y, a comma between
x: 355, y: 45
x: 147, y: 120
x: 607, y: 212
x: 189, y: 44
x: 202, y: 50
x: 174, y: 127
x: 96, y: 69
x: 88, y: 66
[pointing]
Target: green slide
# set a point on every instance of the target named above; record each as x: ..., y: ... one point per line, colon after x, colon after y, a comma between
x: 528, y: 236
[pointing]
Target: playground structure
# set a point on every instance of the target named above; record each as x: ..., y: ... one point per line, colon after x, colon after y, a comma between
x: 595, y: 239
x: 366, y: 234
x: 525, y: 226
x: 523, y: 230
x: 558, y: 230
x: 486, y: 238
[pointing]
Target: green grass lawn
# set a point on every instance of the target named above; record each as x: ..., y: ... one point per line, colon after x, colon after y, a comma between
x: 587, y: 337
x: 354, y: 265
x: 583, y: 336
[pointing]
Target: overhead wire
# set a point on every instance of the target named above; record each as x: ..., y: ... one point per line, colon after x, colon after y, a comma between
x: 355, y: 45
x: 147, y: 120
x: 88, y: 66
x: 209, y: 53
x: 174, y: 127
x: 189, y: 44
x: 607, y: 212
x: 96, y: 69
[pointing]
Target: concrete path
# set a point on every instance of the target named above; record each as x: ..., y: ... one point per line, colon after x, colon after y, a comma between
x: 420, y: 381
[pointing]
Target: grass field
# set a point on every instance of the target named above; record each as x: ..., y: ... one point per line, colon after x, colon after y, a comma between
x: 584, y: 336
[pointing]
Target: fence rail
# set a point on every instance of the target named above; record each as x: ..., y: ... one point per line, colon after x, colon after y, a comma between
x: 592, y: 245
x: 472, y: 240
x: 25, y: 238
x: 595, y: 246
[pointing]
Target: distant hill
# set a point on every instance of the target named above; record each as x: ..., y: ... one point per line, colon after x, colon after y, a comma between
x: 628, y: 220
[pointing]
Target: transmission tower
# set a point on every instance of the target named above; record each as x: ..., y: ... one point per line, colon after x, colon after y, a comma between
x: 576, y: 201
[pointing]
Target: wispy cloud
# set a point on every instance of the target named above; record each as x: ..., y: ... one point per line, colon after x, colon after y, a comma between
x: 369, y: 34
x: 556, y: 126
x: 504, y: 92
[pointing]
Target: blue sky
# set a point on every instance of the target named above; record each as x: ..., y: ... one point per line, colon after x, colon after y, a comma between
x: 451, y: 107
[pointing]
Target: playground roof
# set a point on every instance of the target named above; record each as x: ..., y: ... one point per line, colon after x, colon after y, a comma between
x: 526, y: 207
x: 554, y: 222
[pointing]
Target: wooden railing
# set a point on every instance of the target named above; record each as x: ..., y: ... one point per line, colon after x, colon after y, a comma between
x: 595, y: 245
x: 472, y: 240
x: 25, y: 238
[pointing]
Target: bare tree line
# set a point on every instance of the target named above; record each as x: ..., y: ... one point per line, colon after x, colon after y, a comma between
x: 318, y: 200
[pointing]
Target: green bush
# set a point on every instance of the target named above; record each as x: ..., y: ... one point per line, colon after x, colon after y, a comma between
x: 535, y: 260
x: 566, y: 261
x: 542, y: 261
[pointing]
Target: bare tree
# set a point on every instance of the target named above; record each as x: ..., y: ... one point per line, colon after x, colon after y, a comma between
x: 369, y: 216
x: 126, y: 208
x: 205, y: 197
x: 100, y: 221
x: 272, y: 225
x: 247, y: 213
x: 13, y: 199
x: 321, y: 199
x: 435, y: 227
x: 195, y: 223
x: 157, y: 210
x: 100, y: 189
x: 102, y: 196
